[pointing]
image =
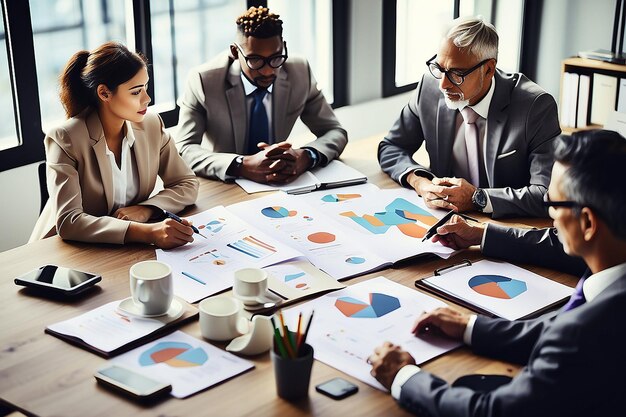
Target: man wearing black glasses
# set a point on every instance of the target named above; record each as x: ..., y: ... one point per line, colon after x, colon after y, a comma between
x: 239, y: 109
x: 488, y: 133
x: 573, y: 358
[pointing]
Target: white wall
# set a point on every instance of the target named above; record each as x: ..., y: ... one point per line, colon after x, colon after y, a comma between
x: 567, y: 27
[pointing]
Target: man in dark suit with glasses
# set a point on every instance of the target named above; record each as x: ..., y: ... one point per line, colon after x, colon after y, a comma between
x: 488, y: 133
x: 573, y: 358
x: 239, y: 109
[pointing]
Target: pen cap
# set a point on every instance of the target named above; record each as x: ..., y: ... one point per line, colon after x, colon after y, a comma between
x: 293, y: 375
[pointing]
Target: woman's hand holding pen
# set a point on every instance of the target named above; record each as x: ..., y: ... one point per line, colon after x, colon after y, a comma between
x: 165, y: 234
x: 459, y: 234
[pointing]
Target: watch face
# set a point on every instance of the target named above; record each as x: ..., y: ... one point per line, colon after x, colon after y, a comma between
x: 480, y: 199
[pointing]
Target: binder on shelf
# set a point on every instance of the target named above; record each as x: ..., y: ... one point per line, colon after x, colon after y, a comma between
x: 584, y: 86
x: 621, y: 96
x: 565, y: 99
x: 496, y: 289
x: 573, y: 103
x: 603, y: 97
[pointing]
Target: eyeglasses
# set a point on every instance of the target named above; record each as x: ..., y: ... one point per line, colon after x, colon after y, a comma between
x: 565, y: 204
x: 256, y: 62
x: 455, y: 76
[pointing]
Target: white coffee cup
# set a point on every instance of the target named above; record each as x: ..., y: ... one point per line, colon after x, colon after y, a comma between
x: 220, y: 318
x: 250, y: 285
x: 152, y: 287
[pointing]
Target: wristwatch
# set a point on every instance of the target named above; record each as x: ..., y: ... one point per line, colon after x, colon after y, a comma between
x: 314, y: 157
x: 479, y: 199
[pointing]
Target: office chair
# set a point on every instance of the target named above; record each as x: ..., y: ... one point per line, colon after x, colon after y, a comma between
x: 43, y: 188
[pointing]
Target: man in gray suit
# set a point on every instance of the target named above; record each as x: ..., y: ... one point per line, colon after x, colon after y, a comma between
x: 488, y: 134
x: 574, y: 358
x: 238, y: 109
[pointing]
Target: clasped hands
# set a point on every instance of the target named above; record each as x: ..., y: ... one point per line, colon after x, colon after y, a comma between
x: 279, y: 163
x: 446, y: 193
x: 388, y: 358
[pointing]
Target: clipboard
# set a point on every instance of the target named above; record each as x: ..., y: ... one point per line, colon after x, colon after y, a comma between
x: 560, y: 293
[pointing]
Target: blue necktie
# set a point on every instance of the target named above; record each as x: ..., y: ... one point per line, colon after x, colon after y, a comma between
x: 258, y: 130
x: 577, y: 298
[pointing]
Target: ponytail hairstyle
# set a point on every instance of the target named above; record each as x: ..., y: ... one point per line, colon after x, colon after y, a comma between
x: 110, y: 64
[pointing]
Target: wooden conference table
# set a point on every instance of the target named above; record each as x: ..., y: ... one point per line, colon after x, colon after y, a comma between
x: 42, y: 375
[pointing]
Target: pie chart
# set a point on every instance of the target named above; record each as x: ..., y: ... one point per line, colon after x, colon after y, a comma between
x: 379, y: 305
x: 321, y: 237
x: 175, y: 354
x: 355, y: 260
x: 497, y: 286
x: 277, y: 212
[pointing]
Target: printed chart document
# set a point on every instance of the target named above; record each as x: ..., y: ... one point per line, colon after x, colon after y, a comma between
x: 108, y: 331
x: 188, y: 364
x: 348, y: 231
x: 335, y: 174
x: 498, y: 288
x: 349, y: 324
x: 206, y: 266
x: 298, y: 279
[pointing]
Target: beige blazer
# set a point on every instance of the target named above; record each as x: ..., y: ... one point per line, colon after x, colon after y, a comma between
x: 79, y: 178
x: 213, y: 122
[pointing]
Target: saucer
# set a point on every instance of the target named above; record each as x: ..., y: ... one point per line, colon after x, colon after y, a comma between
x: 251, y: 302
x: 175, y: 311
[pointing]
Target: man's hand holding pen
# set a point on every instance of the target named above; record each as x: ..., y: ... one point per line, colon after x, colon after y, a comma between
x: 458, y: 233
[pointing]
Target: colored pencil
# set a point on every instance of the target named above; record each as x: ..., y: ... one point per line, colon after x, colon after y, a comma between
x: 278, y: 340
x: 286, y: 336
x: 308, y: 326
x: 298, y: 334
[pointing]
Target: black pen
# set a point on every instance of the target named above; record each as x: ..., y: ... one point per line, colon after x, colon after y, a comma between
x: 179, y: 220
x: 433, y: 229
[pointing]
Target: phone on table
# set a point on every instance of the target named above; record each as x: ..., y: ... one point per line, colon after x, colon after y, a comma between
x: 131, y: 383
x: 58, y: 280
x: 337, y: 388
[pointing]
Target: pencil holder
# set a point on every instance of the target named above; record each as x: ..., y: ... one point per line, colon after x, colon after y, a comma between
x: 293, y: 374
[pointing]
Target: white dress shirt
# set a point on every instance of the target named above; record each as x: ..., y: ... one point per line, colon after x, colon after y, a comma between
x: 125, y: 177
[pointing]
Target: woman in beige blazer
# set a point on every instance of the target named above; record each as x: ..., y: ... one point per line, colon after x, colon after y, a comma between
x: 103, y: 162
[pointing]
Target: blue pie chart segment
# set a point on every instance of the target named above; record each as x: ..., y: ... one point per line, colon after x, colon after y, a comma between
x: 497, y: 286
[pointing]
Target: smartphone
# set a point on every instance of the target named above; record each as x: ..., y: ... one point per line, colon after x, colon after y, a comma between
x: 131, y: 383
x: 58, y: 280
x: 337, y: 388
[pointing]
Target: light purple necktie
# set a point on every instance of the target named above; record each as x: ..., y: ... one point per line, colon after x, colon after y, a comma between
x: 577, y: 298
x: 471, y: 144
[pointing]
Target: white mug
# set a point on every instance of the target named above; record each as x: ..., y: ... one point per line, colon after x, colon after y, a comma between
x: 152, y: 287
x: 250, y: 284
x: 220, y: 319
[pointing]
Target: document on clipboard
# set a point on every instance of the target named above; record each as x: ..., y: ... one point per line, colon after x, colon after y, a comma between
x: 496, y: 289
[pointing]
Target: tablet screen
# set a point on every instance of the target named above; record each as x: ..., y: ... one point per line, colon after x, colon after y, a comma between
x: 58, y: 276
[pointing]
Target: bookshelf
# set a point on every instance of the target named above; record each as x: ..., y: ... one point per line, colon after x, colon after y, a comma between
x: 583, y: 66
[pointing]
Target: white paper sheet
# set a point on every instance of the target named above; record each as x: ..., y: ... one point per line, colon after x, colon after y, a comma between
x: 187, y: 363
x: 208, y: 264
x: 362, y: 228
x: 344, y: 340
x: 106, y: 328
x: 501, y: 288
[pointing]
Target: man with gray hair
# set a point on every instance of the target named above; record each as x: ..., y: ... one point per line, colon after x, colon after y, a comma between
x: 488, y: 133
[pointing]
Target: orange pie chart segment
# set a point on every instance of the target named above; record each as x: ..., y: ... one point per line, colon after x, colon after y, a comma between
x: 321, y: 237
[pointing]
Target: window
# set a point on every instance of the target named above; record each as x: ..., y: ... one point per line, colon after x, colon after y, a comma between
x: 186, y: 33
x: 8, y: 134
x: 308, y: 30
x: 62, y: 28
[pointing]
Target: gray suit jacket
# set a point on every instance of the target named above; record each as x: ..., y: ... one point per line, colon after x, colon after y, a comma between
x: 521, y: 125
x: 574, y: 361
x: 213, y: 125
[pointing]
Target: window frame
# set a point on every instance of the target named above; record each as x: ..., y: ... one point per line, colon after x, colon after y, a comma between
x: 390, y: 8
x: 25, y: 93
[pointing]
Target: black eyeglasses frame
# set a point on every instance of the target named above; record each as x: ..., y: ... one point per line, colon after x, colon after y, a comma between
x: 266, y: 60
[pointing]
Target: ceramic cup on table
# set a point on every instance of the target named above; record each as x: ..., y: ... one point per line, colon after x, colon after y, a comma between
x: 151, y: 287
x: 220, y: 318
